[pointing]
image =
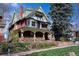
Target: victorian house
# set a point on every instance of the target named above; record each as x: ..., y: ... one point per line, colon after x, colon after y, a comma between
x: 31, y: 25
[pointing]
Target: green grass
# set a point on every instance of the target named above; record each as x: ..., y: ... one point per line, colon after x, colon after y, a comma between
x: 58, y: 52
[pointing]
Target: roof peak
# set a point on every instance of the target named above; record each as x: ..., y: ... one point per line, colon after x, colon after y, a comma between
x: 40, y: 6
x: 40, y: 9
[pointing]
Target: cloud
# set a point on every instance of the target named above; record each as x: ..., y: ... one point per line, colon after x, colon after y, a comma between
x: 14, y: 4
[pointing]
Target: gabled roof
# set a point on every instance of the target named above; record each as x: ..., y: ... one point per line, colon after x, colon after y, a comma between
x: 16, y: 18
x: 28, y: 13
x: 39, y: 9
x: 42, y: 11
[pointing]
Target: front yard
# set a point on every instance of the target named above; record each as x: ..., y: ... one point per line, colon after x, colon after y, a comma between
x: 58, y: 52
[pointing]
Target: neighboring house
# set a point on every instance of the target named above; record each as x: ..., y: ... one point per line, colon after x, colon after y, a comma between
x: 76, y: 32
x: 2, y: 25
x: 31, y: 25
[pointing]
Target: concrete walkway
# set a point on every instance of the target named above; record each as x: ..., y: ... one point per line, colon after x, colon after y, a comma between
x: 33, y: 51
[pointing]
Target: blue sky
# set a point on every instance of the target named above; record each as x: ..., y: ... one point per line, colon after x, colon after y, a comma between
x: 45, y: 6
x: 16, y: 6
x: 75, y: 17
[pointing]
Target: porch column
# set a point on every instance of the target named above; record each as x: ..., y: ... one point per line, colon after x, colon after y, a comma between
x: 40, y: 25
x: 30, y: 22
x: 50, y: 36
x: 34, y: 37
x: 22, y: 34
x: 43, y: 36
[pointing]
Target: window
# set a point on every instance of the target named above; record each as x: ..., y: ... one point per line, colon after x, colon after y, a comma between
x: 44, y: 25
x: 33, y: 23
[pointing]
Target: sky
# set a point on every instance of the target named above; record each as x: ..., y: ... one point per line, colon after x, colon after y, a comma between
x: 16, y: 6
x: 45, y: 6
x: 75, y: 17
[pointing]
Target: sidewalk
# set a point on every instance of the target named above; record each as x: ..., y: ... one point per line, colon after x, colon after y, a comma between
x: 33, y: 51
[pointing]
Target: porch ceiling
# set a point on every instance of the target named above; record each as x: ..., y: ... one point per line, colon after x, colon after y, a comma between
x: 35, y: 29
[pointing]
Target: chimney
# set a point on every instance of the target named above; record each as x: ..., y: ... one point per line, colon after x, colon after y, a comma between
x: 21, y: 10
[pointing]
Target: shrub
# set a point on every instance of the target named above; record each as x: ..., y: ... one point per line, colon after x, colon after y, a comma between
x: 39, y: 45
x: 4, y: 47
x: 19, y: 49
x: 77, y: 39
x: 21, y: 46
x: 0, y: 49
x: 14, y: 36
x: 62, y: 39
x: 43, y: 45
x: 14, y: 47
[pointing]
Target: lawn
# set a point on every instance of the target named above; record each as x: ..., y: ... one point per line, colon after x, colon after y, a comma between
x: 58, y: 52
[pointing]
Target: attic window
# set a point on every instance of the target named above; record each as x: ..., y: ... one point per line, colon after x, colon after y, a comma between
x: 39, y: 14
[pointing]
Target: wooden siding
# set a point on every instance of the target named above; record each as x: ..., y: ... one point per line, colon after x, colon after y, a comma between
x: 1, y: 37
x: 20, y: 25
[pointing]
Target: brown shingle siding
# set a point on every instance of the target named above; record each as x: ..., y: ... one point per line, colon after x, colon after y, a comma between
x: 1, y: 37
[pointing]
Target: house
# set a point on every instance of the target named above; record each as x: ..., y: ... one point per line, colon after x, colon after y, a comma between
x: 31, y: 25
x: 2, y: 25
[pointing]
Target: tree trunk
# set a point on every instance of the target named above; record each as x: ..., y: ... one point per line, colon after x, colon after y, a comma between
x: 57, y: 36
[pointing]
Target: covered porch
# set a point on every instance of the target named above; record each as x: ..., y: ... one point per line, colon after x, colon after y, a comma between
x: 29, y: 34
